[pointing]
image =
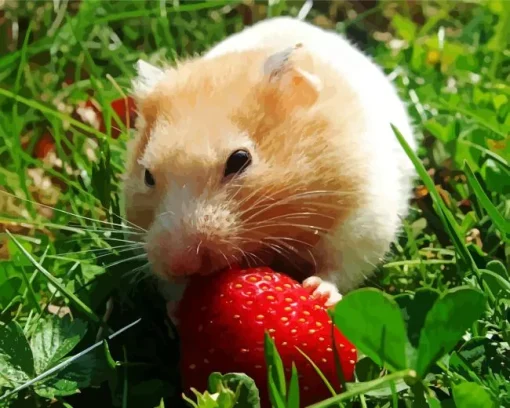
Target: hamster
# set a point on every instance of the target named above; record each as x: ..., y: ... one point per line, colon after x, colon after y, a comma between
x: 273, y: 148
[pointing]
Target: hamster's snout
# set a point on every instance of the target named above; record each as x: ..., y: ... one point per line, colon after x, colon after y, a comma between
x: 193, y: 261
x: 196, y: 238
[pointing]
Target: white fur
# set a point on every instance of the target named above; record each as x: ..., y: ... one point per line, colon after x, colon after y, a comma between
x: 359, y: 244
x: 148, y: 76
x: 352, y: 251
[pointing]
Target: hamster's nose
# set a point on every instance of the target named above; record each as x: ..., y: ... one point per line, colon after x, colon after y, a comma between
x: 184, y: 265
x: 192, y: 262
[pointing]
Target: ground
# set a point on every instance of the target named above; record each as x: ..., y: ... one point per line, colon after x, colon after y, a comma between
x: 64, y: 267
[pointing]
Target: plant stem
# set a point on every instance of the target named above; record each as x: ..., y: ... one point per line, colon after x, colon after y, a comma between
x: 366, y: 387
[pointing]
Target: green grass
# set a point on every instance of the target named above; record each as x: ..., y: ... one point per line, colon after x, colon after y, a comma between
x: 61, y: 251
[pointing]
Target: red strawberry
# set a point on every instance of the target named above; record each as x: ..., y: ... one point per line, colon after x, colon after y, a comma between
x: 222, y: 320
x: 125, y: 110
x: 44, y: 145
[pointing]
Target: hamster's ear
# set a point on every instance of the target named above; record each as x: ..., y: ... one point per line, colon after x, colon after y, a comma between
x: 288, y: 70
x: 147, y: 77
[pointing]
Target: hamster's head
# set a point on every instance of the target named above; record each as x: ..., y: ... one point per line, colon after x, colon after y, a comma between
x: 234, y: 162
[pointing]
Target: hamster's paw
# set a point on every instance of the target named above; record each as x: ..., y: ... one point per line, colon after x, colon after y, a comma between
x: 322, y: 290
x: 171, y: 309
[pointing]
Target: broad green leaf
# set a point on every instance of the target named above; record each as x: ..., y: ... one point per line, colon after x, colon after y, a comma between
x: 381, y: 391
x: 16, y: 251
x: 247, y: 394
x: 16, y: 361
x: 445, y: 324
x: 367, y: 370
x: 496, y: 175
x: 205, y: 400
x: 499, y: 268
x: 54, y: 338
x: 275, y: 8
x: 293, y: 395
x: 147, y: 393
x: 472, y: 395
x: 388, y: 390
x: 9, y: 289
x: 415, y: 309
x: 405, y: 27
x: 485, y: 119
x: 501, y: 223
x: 226, y: 398
x: 373, y: 322
x: 445, y: 132
x: 433, y: 402
x: 274, y: 364
x: 480, y: 356
x: 495, y: 282
x: 460, y: 366
x: 68, y: 381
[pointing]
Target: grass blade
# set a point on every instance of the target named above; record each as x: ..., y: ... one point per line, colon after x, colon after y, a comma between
x: 363, y: 388
x: 274, y: 364
x: 77, y: 302
x: 502, y: 224
x: 52, y: 112
x: 443, y: 213
x: 319, y: 372
x: 274, y: 393
x: 293, y: 395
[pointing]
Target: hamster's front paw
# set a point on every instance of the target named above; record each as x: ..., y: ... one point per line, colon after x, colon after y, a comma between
x: 322, y: 290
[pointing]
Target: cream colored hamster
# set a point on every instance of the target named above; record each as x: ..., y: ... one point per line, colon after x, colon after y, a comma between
x: 275, y: 147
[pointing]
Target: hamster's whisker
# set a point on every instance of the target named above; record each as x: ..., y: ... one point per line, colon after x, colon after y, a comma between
x: 312, y: 205
x: 270, y: 196
x: 297, y: 216
x: 108, y: 230
x: 134, y: 226
x: 82, y: 239
x: 143, y: 271
x: 165, y: 213
x: 245, y: 199
x: 297, y: 241
x: 256, y: 257
x: 72, y: 214
x: 299, y: 254
x: 263, y: 224
x: 238, y: 189
x: 103, y: 249
x: 315, y: 268
x: 133, y: 258
x: 226, y: 259
x: 286, y: 253
x: 290, y: 199
x: 241, y: 251
x: 118, y: 251
x: 246, y: 254
x: 275, y: 248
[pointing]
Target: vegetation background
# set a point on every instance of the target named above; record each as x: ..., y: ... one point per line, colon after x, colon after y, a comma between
x: 66, y: 264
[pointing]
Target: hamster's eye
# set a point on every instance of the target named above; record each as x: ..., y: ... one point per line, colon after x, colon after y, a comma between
x: 237, y: 162
x: 149, y: 179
